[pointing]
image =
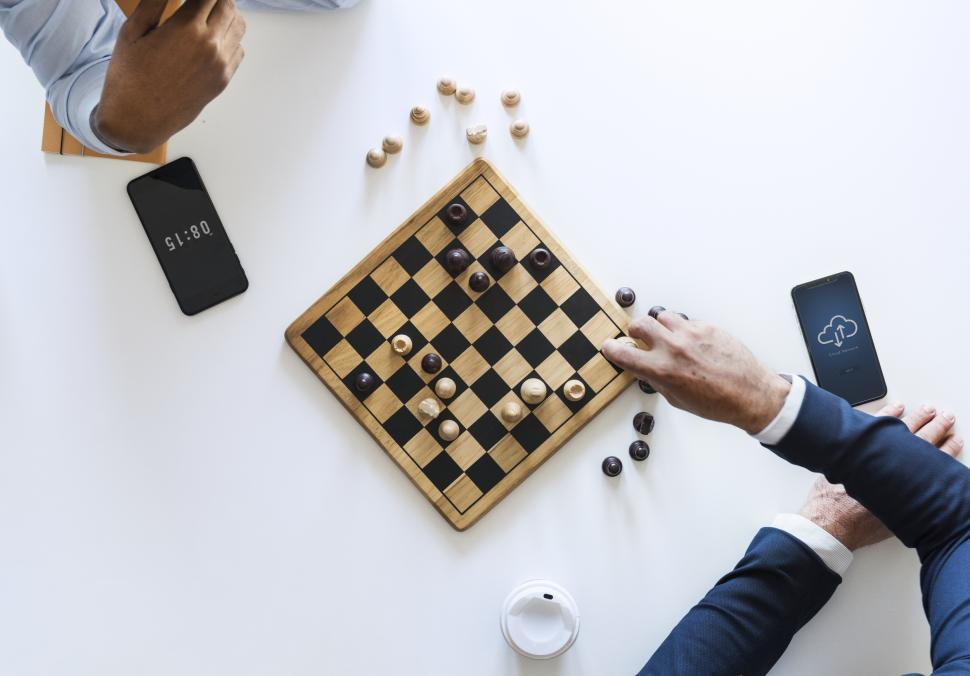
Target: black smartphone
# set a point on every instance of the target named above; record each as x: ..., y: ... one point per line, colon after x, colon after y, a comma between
x: 187, y: 235
x: 838, y: 338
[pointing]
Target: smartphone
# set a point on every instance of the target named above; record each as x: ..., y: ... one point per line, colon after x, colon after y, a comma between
x: 187, y: 235
x: 838, y: 338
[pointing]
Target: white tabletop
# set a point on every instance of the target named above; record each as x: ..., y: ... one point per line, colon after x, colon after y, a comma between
x: 181, y: 495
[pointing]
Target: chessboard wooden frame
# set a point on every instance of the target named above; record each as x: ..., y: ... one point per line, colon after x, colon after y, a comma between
x: 460, y: 521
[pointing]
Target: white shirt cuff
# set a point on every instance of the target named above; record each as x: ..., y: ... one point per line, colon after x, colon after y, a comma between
x: 833, y: 553
x: 778, y: 428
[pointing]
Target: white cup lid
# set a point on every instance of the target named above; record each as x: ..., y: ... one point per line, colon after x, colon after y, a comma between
x: 540, y: 619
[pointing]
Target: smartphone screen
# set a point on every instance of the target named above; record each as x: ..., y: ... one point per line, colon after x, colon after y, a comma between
x: 838, y: 339
x: 187, y: 235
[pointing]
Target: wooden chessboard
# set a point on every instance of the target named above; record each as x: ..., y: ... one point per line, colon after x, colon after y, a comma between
x: 544, y: 323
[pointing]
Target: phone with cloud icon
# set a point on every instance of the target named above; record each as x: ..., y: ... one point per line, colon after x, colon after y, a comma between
x: 838, y: 338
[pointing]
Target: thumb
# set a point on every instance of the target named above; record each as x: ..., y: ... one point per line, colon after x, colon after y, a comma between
x: 145, y: 18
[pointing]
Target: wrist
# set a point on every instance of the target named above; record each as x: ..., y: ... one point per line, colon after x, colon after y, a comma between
x: 113, y: 131
x: 829, y: 521
x: 765, y: 404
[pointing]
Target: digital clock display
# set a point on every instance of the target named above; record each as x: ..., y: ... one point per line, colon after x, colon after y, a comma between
x: 187, y: 235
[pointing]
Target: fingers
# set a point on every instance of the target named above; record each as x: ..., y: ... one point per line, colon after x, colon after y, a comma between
x: 146, y: 17
x: 672, y: 320
x: 222, y: 16
x: 629, y: 358
x: 649, y: 330
x: 916, y: 419
x: 893, y: 410
x: 952, y: 446
x: 235, y: 32
x: 936, y: 429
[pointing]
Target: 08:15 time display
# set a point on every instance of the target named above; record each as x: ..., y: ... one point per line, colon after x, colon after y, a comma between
x: 176, y: 241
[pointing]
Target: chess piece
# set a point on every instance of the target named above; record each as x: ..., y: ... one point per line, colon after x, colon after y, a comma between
x: 476, y: 134
x: 429, y: 408
x: 420, y: 115
x: 401, y: 344
x: 511, y: 98
x: 446, y: 86
x: 612, y: 466
x: 540, y: 258
x: 376, y: 157
x: 656, y: 310
x: 392, y: 144
x: 502, y: 258
x: 683, y: 316
x: 639, y: 450
x: 456, y: 214
x: 646, y: 387
x: 519, y: 128
x: 431, y: 363
x: 625, y: 296
x: 448, y: 430
x: 364, y: 382
x: 479, y: 281
x: 533, y: 391
x: 445, y: 388
x: 511, y: 411
x: 643, y: 422
x: 457, y: 260
x: 574, y: 390
x: 464, y: 95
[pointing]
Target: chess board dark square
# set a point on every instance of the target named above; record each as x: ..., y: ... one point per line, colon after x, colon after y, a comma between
x: 410, y: 298
x: 485, y: 473
x: 580, y: 307
x: 452, y: 300
x: 537, y: 305
x: 469, y: 218
x: 367, y: 295
x: 418, y: 341
x: 490, y: 388
x: 412, y: 255
x: 442, y: 471
x: 500, y: 217
x: 322, y: 336
x: 530, y: 433
x: 535, y: 347
x: 405, y: 383
x: 350, y: 378
x: 487, y: 430
x: 365, y: 338
x: 577, y: 350
x: 492, y: 345
x: 494, y: 302
x: 402, y: 426
x: 450, y: 343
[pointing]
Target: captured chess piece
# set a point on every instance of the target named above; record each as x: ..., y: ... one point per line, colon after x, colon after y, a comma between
x: 511, y: 98
x: 420, y: 115
x: 643, y: 422
x: 625, y: 296
x: 476, y: 134
x: 479, y: 281
x: 446, y: 86
x: 392, y: 144
x: 639, y: 450
x: 464, y: 95
x: 456, y: 214
x: 431, y: 363
x: 646, y: 387
x: 364, y: 382
x: 656, y: 310
x: 612, y: 465
x: 502, y: 258
x: 540, y: 258
x: 376, y: 157
x: 519, y: 129
x: 457, y: 261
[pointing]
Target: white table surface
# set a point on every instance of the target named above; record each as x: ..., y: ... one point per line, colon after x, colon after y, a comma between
x: 182, y: 496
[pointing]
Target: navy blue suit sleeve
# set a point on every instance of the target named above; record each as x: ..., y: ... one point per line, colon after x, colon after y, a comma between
x: 744, y: 624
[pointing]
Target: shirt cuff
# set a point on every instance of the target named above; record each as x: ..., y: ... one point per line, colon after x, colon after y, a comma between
x: 83, y: 98
x: 833, y: 553
x: 778, y: 428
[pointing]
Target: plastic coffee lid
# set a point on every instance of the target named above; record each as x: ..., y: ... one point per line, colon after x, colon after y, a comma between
x: 540, y: 619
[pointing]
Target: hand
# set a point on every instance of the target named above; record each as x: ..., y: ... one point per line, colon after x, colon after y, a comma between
x: 831, y: 508
x: 702, y: 369
x: 162, y: 76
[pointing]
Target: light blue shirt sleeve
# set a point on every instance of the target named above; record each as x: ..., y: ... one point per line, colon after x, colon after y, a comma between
x: 296, y: 5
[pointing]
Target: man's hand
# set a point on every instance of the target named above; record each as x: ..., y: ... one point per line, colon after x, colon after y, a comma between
x: 162, y: 76
x: 831, y: 508
x: 702, y: 369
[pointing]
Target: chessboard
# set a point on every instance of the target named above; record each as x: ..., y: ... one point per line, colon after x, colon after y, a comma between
x: 546, y: 323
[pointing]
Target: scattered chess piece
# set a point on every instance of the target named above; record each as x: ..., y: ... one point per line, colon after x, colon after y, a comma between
x: 364, y: 382
x: 376, y: 158
x: 511, y: 98
x: 625, y: 296
x: 574, y: 390
x: 445, y: 388
x: 646, y: 387
x: 429, y: 408
x: 476, y: 134
x: 448, y: 430
x: 392, y: 145
x: 540, y: 258
x: 627, y: 340
x: 479, y: 281
x: 643, y: 422
x: 420, y: 115
x: 519, y: 128
x: 612, y: 466
x: 401, y: 344
x: 502, y: 258
x: 464, y: 95
x: 639, y: 450
x: 431, y: 363
x: 457, y: 261
x: 683, y: 316
x: 656, y: 310
x: 511, y: 411
x: 446, y: 86
x: 456, y: 214
x: 533, y: 391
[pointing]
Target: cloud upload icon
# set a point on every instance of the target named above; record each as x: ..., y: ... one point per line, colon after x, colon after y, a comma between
x: 838, y: 329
